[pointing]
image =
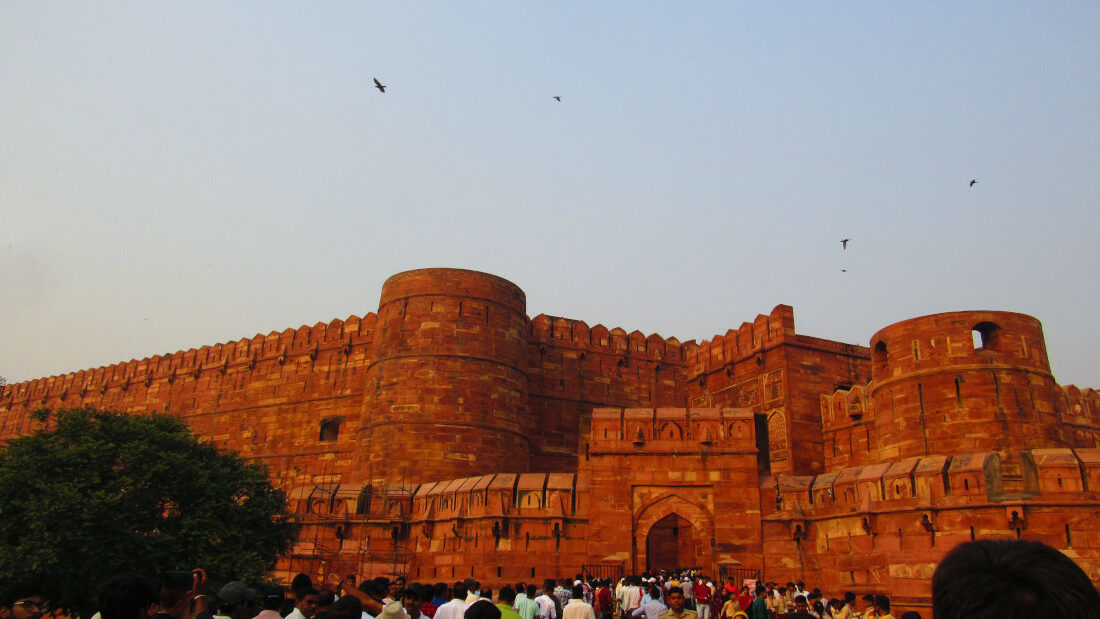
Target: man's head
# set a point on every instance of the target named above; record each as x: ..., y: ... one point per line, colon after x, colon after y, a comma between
x: 126, y: 596
x: 676, y: 599
x: 654, y: 592
x: 458, y: 590
x: 234, y: 599
x: 868, y: 601
x: 347, y: 607
x: 412, y: 600
x: 849, y: 598
x: 393, y: 591
x: 272, y: 597
x: 442, y: 591
x: 175, y: 593
x: 548, y: 585
x: 531, y: 589
x: 507, y: 595
x: 987, y: 578
x: 578, y: 592
x: 800, y: 603
x: 882, y: 604
x: 374, y: 592
x: 325, y: 599
x: 482, y: 610
x: 307, y: 601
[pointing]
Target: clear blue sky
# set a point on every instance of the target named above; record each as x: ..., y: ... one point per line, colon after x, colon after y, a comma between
x: 181, y: 174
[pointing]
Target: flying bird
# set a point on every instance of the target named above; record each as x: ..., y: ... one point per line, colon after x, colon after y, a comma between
x: 844, y: 243
x: 557, y: 98
x: 380, y: 86
x: 972, y: 181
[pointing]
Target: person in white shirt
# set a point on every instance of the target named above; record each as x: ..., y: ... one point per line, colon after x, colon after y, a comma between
x: 577, y: 608
x: 456, y: 608
x: 547, y: 609
x: 654, y: 607
x: 306, y: 605
x: 632, y: 597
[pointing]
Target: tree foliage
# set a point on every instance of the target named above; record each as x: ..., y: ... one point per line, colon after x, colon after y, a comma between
x: 93, y: 493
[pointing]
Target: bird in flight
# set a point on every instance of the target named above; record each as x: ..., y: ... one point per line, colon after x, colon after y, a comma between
x: 844, y: 243
x: 379, y: 85
x: 557, y: 98
x: 972, y: 181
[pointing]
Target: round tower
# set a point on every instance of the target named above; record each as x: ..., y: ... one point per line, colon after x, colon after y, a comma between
x: 446, y: 394
x: 963, y: 382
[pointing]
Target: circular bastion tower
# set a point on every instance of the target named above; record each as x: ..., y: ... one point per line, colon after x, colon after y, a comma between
x: 446, y: 394
x: 964, y: 382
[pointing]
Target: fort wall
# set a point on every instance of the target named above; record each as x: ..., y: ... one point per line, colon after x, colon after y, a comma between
x: 449, y: 435
x: 884, y: 526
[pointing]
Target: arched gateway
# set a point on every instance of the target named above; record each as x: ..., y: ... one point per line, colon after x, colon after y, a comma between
x: 673, y: 532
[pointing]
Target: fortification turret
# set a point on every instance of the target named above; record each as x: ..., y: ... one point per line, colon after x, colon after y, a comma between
x: 446, y: 394
x: 963, y: 382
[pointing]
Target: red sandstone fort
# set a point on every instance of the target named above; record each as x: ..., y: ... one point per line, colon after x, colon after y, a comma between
x: 450, y: 435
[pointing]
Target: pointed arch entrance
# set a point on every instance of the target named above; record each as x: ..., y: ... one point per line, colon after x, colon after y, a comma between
x: 671, y: 543
x: 673, y: 532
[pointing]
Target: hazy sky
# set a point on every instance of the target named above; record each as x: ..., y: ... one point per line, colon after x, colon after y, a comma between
x: 181, y: 174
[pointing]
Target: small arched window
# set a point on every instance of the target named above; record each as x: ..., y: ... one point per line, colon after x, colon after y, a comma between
x: 879, y: 356
x: 985, y: 336
x: 330, y: 429
x: 362, y: 504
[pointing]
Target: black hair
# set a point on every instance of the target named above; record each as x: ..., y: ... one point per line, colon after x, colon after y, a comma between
x: 1010, y: 578
x: 123, y: 596
x: 578, y: 592
x: 458, y: 590
x: 882, y: 602
x: 300, y: 581
x: 799, y: 599
x: 347, y: 607
x: 325, y: 598
x: 531, y: 589
x: 273, y: 597
x: 672, y: 590
x: 373, y: 589
x: 507, y: 595
x: 440, y: 589
x: 868, y: 597
x: 849, y: 597
x: 482, y: 610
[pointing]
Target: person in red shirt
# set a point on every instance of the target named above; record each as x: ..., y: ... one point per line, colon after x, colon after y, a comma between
x: 744, y: 599
x: 604, y: 602
x: 702, y: 594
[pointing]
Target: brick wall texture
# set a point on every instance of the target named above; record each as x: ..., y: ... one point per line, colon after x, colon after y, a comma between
x: 450, y: 435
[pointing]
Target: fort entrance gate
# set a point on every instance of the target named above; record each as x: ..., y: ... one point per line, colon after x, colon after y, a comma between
x: 671, y: 543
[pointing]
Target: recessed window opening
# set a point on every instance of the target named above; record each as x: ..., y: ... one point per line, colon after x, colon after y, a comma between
x: 984, y: 335
x: 330, y: 429
x: 879, y: 356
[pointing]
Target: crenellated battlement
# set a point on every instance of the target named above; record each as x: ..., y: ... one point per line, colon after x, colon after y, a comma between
x: 566, y: 332
x: 765, y: 331
x: 342, y: 336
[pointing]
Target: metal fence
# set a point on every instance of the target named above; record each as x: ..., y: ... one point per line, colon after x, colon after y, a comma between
x: 609, y: 570
x: 737, y: 573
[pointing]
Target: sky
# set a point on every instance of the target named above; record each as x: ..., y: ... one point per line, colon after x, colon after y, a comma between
x: 174, y: 175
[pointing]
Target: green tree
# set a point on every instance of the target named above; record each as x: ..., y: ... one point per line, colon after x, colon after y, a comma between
x: 93, y: 493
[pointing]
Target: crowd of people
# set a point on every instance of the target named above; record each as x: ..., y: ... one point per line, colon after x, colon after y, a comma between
x: 983, y: 579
